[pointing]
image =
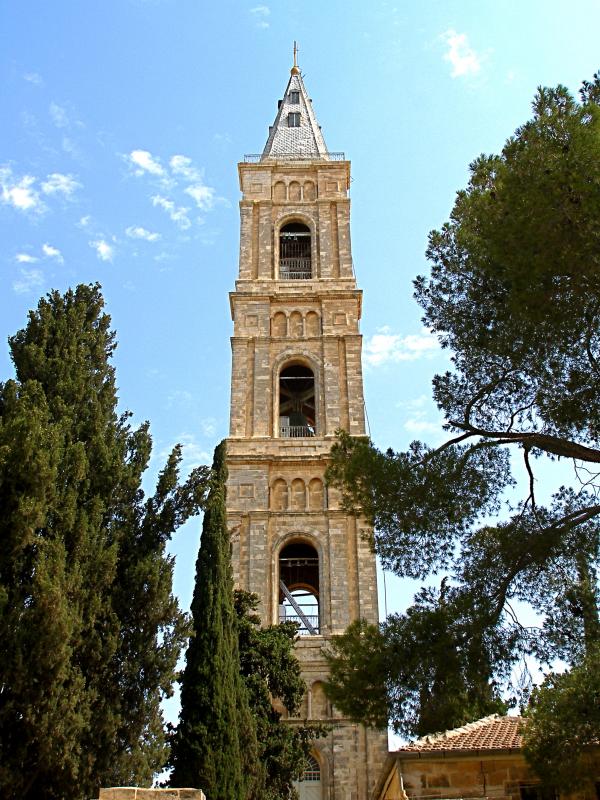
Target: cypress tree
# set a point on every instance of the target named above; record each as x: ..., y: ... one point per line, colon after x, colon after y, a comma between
x: 90, y: 630
x: 214, y: 747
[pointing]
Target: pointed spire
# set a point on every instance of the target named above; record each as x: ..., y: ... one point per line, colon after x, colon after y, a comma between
x: 295, y: 131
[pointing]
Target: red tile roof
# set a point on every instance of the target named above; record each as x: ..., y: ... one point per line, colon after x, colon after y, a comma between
x: 489, y: 733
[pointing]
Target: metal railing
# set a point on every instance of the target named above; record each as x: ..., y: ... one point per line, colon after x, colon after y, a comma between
x: 295, y: 269
x: 302, y: 630
x: 296, y: 431
x: 255, y: 158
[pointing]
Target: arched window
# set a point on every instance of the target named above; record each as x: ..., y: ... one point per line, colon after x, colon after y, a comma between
x: 297, y: 417
x: 294, y: 252
x: 299, y: 587
x: 309, y: 785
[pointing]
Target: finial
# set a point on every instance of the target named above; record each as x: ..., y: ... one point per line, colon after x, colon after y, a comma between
x: 295, y: 69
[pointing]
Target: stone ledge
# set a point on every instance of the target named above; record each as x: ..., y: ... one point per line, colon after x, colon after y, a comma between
x: 135, y: 793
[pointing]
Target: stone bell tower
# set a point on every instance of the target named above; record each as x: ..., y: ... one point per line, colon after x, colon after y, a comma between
x: 296, y: 378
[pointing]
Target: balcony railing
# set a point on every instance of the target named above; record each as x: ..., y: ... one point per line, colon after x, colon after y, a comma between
x: 296, y: 431
x: 295, y: 269
x: 302, y: 630
x: 255, y: 158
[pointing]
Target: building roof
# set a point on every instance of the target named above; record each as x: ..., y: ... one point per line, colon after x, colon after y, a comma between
x: 302, y: 140
x: 490, y: 733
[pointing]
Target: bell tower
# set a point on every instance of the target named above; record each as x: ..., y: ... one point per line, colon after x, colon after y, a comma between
x: 296, y: 379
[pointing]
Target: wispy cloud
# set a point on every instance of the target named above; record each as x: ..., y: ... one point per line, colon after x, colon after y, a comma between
x: 20, y: 193
x: 384, y: 347
x: 144, y: 162
x: 57, y: 183
x: 137, y: 232
x: 29, y: 279
x: 25, y: 258
x: 261, y: 14
x: 179, y: 214
x: 59, y: 116
x: 33, y: 77
x: 462, y: 57
x: 203, y: 195
x: 103, y: 249
x: 52, y: 252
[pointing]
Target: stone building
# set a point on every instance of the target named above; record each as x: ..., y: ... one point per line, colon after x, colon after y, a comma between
x: 296, y: 379
x: 482, y: 760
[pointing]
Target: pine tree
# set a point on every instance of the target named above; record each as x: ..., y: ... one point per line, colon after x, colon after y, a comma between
x: 90, y: 630
x: 214, y: 746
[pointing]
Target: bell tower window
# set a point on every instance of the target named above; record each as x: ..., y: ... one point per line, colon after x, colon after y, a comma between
x: 297, y: 411
x: 295, y: 252
x: 294, y: 97
x: 294, y: 119
x: 299, y: 587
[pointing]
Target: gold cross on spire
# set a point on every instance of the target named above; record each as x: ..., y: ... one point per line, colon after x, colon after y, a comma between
x: 295, y: 69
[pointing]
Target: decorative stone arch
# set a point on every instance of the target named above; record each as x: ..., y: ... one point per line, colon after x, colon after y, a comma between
x: 301, y: 357
x: 305, y: 219
x: 294, y: 191
x: 279, y: 324
x: 279, y: 495
x: 299, y: 495
x: 280, y: 191
x: 312, y: 324
x: 309, y: 191
x: 296, y: 325
x: 319, y: 704
x: 316, y: 495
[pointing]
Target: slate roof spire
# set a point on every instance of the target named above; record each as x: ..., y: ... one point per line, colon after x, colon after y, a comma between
x: 295, y: 132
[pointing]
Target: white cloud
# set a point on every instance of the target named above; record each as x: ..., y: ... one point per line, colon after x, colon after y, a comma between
x: 137, y: 232
x: 182, y: 165
x: 30, y: 279
x: 209, y: 426
x: 143, y: 161
x: 103, y: 249
x: 20, y: 193
x: 33, y: 77
x: 260, y: 14
x: 462, y: 57
x: 59, y: 116
x: 204, y: 196
x: 385, y: 346
x: 85, y: 221
x: 178, y: 214
x: 194, y: 455
x: 57, y: 183
x: 420, y: 425
x: 52, y: 252
x: 25, y: 258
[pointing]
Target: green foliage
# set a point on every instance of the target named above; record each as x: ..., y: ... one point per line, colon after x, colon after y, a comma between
x: 514, y: 293
x: 427, y: 670
x: 562, y: 727
x: 271, y: 673
x: 91, y: 632
x: 214, y: 746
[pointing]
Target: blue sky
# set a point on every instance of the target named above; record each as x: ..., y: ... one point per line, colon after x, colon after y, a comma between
x: 123, y: 121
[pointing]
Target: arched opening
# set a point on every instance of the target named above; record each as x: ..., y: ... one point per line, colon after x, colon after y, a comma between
x: 309, y: 785
x: 294, y: 252
x: 299, y: 587
x: 297, y: 417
